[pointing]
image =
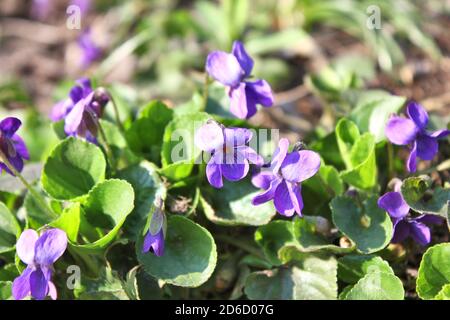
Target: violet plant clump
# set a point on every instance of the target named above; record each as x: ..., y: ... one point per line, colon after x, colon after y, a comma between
x: 177, y: 198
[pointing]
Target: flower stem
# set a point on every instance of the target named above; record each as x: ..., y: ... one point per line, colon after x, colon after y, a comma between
x: 205, y: 92
x: 39, y: 199
x: 108, y: 149
x: 116, y: 113
x: 391, y: 171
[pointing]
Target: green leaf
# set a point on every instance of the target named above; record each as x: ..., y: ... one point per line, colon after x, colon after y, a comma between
x: 69, y: 221
x: 178, y: 141
x: 377, y: 286
x: 177, y: 171
x: 189, y: 257
x: 415, y: 192
x: 147, y: 185
x: 372, y: 109
x: 434, y: 272
x: 351, y: 268
x: 283, y: 241
x: 347, y: 133
x: 444, y: 294
x: 107, y: 206
x: 232, y: 206
x: 313, y: 278
x: 72, y: 169
x: 107, y: 286
x: 5, y: 290
x: 145, y: 134
x: 358, y: 153
x: 370, y: 228
x: 9, y: 229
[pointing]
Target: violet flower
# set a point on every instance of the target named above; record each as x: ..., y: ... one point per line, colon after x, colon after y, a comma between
x: 412, y: 131
x: 231, y: 69
x: 90, y: 51
x: 11, y: 145
x: 154, y: 239
x: 282, y: 183
x: 405, y: 225
x: 229, y: 150
x: 81, y: 111
x: 39, y: 253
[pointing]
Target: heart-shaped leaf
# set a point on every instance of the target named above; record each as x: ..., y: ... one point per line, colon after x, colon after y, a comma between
x: 72, y: 169
x: 313, y: 278
x: 353, y: 267
x: 145, y: 134
x: 232, y: 206
x: 107, y: 206
x: 370, y: 227
x: 377, y: 286
x: 434, y: 272
x: 147, y: 185
x: 189, y: 257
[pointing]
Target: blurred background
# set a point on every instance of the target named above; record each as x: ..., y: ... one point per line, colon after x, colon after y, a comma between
x: 313, y: 53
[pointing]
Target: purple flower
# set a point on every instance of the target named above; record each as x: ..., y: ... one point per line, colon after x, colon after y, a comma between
x: 412, y: 131
x: 84, y: 5
x: 405, y: 225
x: 230, y: 154
x: 231, y: 69
x: 154, y: 239
x: 81, y: 111
x: 90, y: 50
x: 282, y: 183
x: 39, y: 253
x: 11, y: 145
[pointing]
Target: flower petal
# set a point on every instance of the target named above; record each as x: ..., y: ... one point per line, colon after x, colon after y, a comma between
x: 242, y: 104
x: 235, y: 172
x: 417, y: 114
x: 74, y: 117
x: 401, y: 230
x: 420, y: 233
x: 21, y: 285
x: 60, y: 109
x: 296, y: 196
x: 52, y: 292
x: 279, y: 154
x: 268, y: 194
x: 401, y: 131
x: 9, y: 126
x: 261, y: 92
x: 214, y: 173
x: 430, y: 219
x: 20, y: 146
x: 26, y: 244
x: 394, y: 204
x: 411, y: 165
x: 154, y: 242
x: 38, y: 284
x: 209, y: 137
x: 235, y: 137
x: 225, y: 68
x: 300, y: 165
x: 50, y: 246
x: 440, y: 134
x: 251, y: 155
x: 263, y: 179
x: 282, y: 200
x: 427, y: 147
x: 242, y: 57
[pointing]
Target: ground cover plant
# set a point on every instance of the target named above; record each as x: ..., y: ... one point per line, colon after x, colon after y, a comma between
x: 211, y: 150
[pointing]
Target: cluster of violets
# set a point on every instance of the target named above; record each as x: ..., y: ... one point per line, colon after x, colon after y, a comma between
x: 230, y: 158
